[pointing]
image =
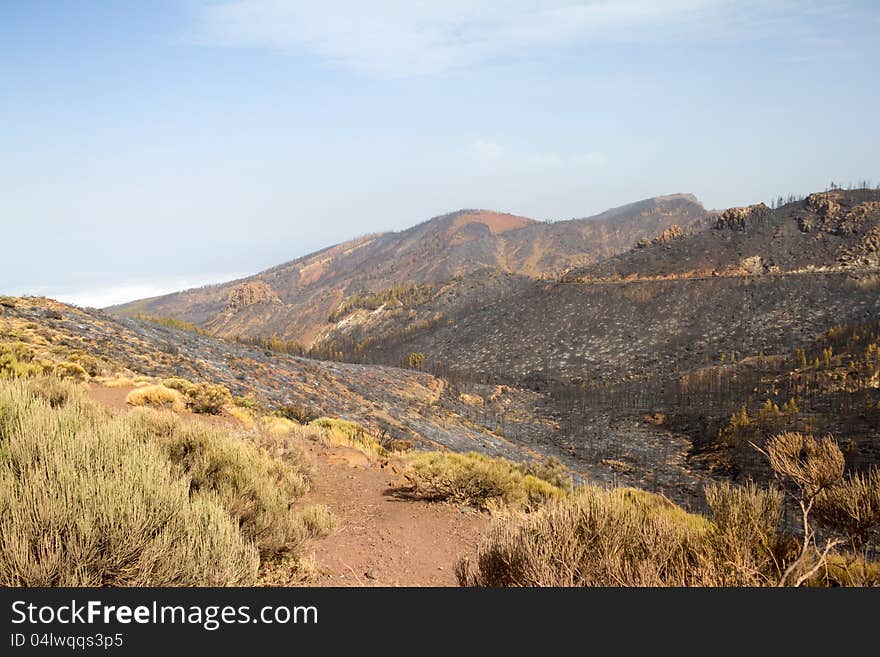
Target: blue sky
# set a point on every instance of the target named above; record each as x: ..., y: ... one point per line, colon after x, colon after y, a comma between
x: 146, y: 147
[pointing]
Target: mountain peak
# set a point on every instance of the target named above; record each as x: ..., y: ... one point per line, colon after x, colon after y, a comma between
x: 294, y: 300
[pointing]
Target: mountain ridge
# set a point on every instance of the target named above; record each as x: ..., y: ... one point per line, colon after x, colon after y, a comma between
x: 294, y: 300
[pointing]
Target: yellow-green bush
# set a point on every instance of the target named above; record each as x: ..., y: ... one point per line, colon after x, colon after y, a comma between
x: 318, y: 520
x: 349, y: 434
x: 53, y: 390
x: 208, y: 398
x: 298, y: 414
x: 251, y: 404
x: 277, y: 426
x: 477, y: 479
x: 18, y: 360
x: 86, y: 502
x: 156, y: 396
x: 255, y: 488
x: 204, y: 398
x: 624, y: 537
x: 93, y: 365
x: 178, y: 383
x: 243, y: 415
x: 68, y: 370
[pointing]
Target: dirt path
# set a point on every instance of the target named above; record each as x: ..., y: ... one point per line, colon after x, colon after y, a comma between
x: 381, y: 539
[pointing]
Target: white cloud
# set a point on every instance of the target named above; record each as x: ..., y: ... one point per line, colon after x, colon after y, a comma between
x: 400, y: 38
x: 109, y: 294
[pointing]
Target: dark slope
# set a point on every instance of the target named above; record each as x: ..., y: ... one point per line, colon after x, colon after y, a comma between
x: 757, y: 280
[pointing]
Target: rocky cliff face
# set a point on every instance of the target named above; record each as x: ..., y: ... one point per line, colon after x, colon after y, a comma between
x: 742, y: 218
x: 249, y: 294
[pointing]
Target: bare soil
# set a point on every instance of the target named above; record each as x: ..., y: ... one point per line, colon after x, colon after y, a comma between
x: 382, y: 537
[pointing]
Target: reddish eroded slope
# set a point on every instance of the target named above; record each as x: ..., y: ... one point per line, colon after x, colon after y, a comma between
x: 295, y: 300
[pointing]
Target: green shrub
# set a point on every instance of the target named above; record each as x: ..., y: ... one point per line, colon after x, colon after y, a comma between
x: 84, y: 502
x: 203, y: 398
x: 68, y: 370
x: 350, y: 434
x: 255, y: 488
x: 208, y: 398
x: 477, y: 479
x: 157, y: 397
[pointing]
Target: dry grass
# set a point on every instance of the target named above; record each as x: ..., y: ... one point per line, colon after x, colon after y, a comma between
x: 812, y: 464
x: 624, y: 537
x: 478, y: 480
x: 115, y: 381
x: 278, y: 426
x: 318, y: 520
x: 206, y: 398
x: 90, y: 498
x: 156, y: 396
x: 243, y: 415
x: 338, y: 432
x: 852, y: 507
x: 85, y: 502
x: 257, y: 489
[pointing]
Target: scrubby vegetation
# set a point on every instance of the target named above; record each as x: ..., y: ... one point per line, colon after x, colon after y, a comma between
x: 91, y: 498
x: 349, y: 434
x: 204, y: 398
x: 482, y: 481
x: 400, y: 296
x: 622, y: 537
x: 170, y: 322
x: 298, y: 414
x: 255, y: 488
x: 273, y: 343
x: 156, y: 396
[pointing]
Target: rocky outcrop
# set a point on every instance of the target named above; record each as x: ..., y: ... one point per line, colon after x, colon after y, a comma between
x: 754, y: 265
x: 825, y: 204
x: 828, y: 212
x: 249, y: 294
x: 742, y: 218
x: 866, y: 253
x: 668, y: 235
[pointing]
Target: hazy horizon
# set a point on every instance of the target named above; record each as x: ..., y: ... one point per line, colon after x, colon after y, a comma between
x: 157, y: 147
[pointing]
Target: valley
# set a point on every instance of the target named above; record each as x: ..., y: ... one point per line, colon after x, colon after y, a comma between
x: 586, y: 347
